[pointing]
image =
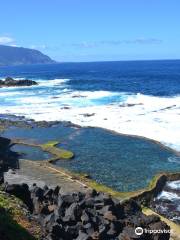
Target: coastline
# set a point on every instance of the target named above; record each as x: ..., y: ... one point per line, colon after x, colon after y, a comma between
x: 5, y: 123
x: 143, y: 196
x: 25, y: 123
x: 50, y: 147
x: 79, y: 182
x: 145, y: 138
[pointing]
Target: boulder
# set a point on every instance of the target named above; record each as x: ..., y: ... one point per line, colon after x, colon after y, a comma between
x: 128, y: 233
x: 158, y: 226
x: 20, y: 191
x: 110, y: 216
x: 72, y: 213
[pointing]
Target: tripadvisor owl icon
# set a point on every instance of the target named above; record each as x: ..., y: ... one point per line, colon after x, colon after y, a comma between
x: 139, y: 231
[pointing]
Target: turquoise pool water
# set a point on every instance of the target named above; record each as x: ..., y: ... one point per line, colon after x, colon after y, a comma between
x: 124, y: 163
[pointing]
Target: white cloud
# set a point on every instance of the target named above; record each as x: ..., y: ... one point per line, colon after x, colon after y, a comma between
x: 4, y: 40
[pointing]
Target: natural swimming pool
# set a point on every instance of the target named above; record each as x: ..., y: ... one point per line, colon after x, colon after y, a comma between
x: 124, y: 163
x: 30, y: 152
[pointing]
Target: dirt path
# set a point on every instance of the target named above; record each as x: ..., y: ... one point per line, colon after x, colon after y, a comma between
x: 34, y: 172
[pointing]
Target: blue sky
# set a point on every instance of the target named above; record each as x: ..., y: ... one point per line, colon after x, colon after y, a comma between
x: 93, y: 30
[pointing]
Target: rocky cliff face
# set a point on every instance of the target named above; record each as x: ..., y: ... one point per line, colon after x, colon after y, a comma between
x: 22, y: 56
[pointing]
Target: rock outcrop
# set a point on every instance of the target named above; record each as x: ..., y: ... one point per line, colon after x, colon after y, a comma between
x: 10, y: 82
x: 87, y: 216
x: 8, y: 159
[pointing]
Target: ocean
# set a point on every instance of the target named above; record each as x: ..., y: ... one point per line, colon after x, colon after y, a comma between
x: 139, y: 98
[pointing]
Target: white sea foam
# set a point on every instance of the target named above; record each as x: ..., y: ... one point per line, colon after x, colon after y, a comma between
x: 174, y: 185
x: 168, y: 195
x: 94, y: 94
x: 176, y: 218
x: 178, y: 208
x: 156, y: 118
x: 53, y: 82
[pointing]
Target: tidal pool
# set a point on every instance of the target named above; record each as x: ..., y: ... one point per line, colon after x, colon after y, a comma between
x: 30, y: 152
x: 124, y: 163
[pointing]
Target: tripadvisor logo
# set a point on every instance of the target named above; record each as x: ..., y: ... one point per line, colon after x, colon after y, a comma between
x: 139, y: 231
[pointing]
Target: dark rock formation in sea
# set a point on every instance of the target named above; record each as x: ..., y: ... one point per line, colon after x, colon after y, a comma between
x: 10, y: 82
x: 87, y: 216
x: 22, y: 56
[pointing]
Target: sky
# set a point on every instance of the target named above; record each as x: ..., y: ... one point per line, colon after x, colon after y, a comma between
x: 93, y: 30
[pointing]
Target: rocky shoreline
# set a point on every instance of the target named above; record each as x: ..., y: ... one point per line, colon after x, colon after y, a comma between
x: 86, y: 216
x: 7, y: 121
x: 43, y: 203
x: 168, y: 201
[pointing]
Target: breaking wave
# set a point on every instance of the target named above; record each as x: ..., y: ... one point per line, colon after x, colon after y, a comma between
x: 148, y: 116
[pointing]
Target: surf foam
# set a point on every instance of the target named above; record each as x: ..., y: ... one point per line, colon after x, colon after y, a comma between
x: 153, y: 117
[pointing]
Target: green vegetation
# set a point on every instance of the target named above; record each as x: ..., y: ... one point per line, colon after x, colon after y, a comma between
x: 51, y: 148
x: 14, y: 224
x: 86, y: 179
x: 57, y: 152
x: 51, y: 143
x: 127, y: 195
x: 103, y: 188
x: 154, y: 180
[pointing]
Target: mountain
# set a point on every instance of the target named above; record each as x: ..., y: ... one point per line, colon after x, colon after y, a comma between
x: 22, y: 56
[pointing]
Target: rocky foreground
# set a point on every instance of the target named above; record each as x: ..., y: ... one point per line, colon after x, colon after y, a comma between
x: 86, y: 216
x: 10, y: 82
x: 79, y: 216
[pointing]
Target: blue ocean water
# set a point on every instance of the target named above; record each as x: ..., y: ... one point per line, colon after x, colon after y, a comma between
x: 157, y: 78
x: 135, y: 97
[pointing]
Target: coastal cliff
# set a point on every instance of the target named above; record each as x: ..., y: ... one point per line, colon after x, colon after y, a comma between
x: 22, y: 56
